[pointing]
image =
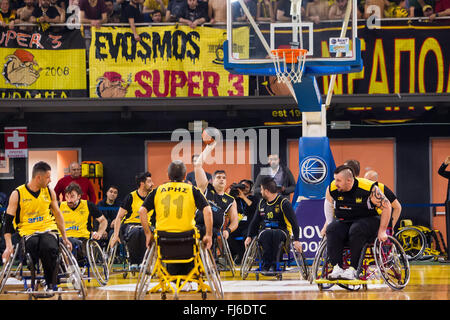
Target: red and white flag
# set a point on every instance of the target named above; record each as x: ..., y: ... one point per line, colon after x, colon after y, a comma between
x: 16, y: 145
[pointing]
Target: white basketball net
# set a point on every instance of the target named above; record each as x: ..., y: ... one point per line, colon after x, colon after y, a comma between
x: 294, y: 72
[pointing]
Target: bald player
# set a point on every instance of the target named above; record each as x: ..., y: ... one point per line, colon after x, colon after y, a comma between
x: 356, y: 212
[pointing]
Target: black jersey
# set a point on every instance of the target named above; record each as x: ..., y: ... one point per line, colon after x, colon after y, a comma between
x: 353, y: 204
x: 220, y: 205
x: 277, y: 214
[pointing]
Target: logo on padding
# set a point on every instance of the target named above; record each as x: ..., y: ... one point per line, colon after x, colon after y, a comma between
x: 313, y: 170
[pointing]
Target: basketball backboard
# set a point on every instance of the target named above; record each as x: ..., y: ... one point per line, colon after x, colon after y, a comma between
x: 251, y: 37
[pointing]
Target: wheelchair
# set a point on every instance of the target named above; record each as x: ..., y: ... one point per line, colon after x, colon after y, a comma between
x: 420, y: 242
x: 287, y: 256
x: 119, y: 254
x: 379, y: 262
x: 68, y: 274
x: 175, y: 249
x: 222, y: 254
x: 96, y: 261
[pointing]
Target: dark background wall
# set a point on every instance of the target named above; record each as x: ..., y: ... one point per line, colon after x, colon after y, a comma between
x: 123, y: 154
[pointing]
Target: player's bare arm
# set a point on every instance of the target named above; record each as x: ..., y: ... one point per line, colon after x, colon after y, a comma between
x: 11, y: 211
x: 200, y: 174
x: 380, y: 201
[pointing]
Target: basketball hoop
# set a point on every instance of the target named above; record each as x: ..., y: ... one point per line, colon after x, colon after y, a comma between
x: 295, y: 57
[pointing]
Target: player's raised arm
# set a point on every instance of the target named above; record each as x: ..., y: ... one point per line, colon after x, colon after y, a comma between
x: 200, y: 174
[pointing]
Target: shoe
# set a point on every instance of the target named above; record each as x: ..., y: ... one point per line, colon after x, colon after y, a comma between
x: 336, y: 273
x: 349, y: 274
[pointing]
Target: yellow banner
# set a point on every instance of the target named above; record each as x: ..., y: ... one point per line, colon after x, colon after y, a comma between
x: 34, y: 73
x: 169, y: 61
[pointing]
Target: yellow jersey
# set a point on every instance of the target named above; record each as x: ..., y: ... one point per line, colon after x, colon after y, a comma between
x: 78, y: 221
x: 174, y: 205
x: 132, y: 204
x: 33, y: 211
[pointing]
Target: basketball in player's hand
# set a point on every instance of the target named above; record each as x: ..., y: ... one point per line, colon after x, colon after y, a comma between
x: 206, y: 137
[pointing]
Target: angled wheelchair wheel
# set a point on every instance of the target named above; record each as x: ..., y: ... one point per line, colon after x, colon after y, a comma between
x: 212, y: 274
x: 7, y: 267
x: 413, y: 242
x: 321, y: 267
x: 71, y: 271
x: 228, y: 257
x: 392, y: 262
x: 98, y: 262
x: 111, y: 256
x: 145, y: 273
x: 301, y: 263
x: 249, y: 258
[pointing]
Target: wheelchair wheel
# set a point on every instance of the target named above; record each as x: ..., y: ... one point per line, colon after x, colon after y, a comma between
x: 227, y: 253
x: 413, y: 242
x: 212, y: 274
x: 71, y: 271
x: 111, y: 255
x: 98, y: 262
x: 249, y: 258
x: 146, y: 272
x: 301, y: 263
x: 321, y: 266
x: 392, y: 262
x: 7, y: 267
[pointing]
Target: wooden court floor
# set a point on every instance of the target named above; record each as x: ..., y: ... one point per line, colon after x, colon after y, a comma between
x: 427, y: 282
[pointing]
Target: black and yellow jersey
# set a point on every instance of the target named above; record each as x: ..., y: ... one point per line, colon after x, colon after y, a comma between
x: 79, y: 220
x: 33, y: 211
x: 220, y: 205
x: 277, y: 214
x: 174, y: 205
x: 132, y: 203
x: 355, y: 203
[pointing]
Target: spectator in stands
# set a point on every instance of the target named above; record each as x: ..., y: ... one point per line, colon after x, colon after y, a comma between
x: 174, y: 10
x: 45, y: 14
x: 60, y: 6
x: 133, y: 15
x: 156, y: 16
x: 75, y: 176
x: 217, y: 11
x: 282, y: 175
x: 317, y: 10
x: 416, y: 7
x: 396, y: 9
x: 266, y: 10
x: 238, y: 12
x: 195, y: 14
x: 24, y: 13
x: 112, y: 16
x: 93, y: 12
x: 370, y: 8
x: 151, y: 6
x: 109, y: 207
x: 337, y: 10
x: 427, y: 10
x: 283, y: 11
x: 7, y: 15
x: 441, y: 9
